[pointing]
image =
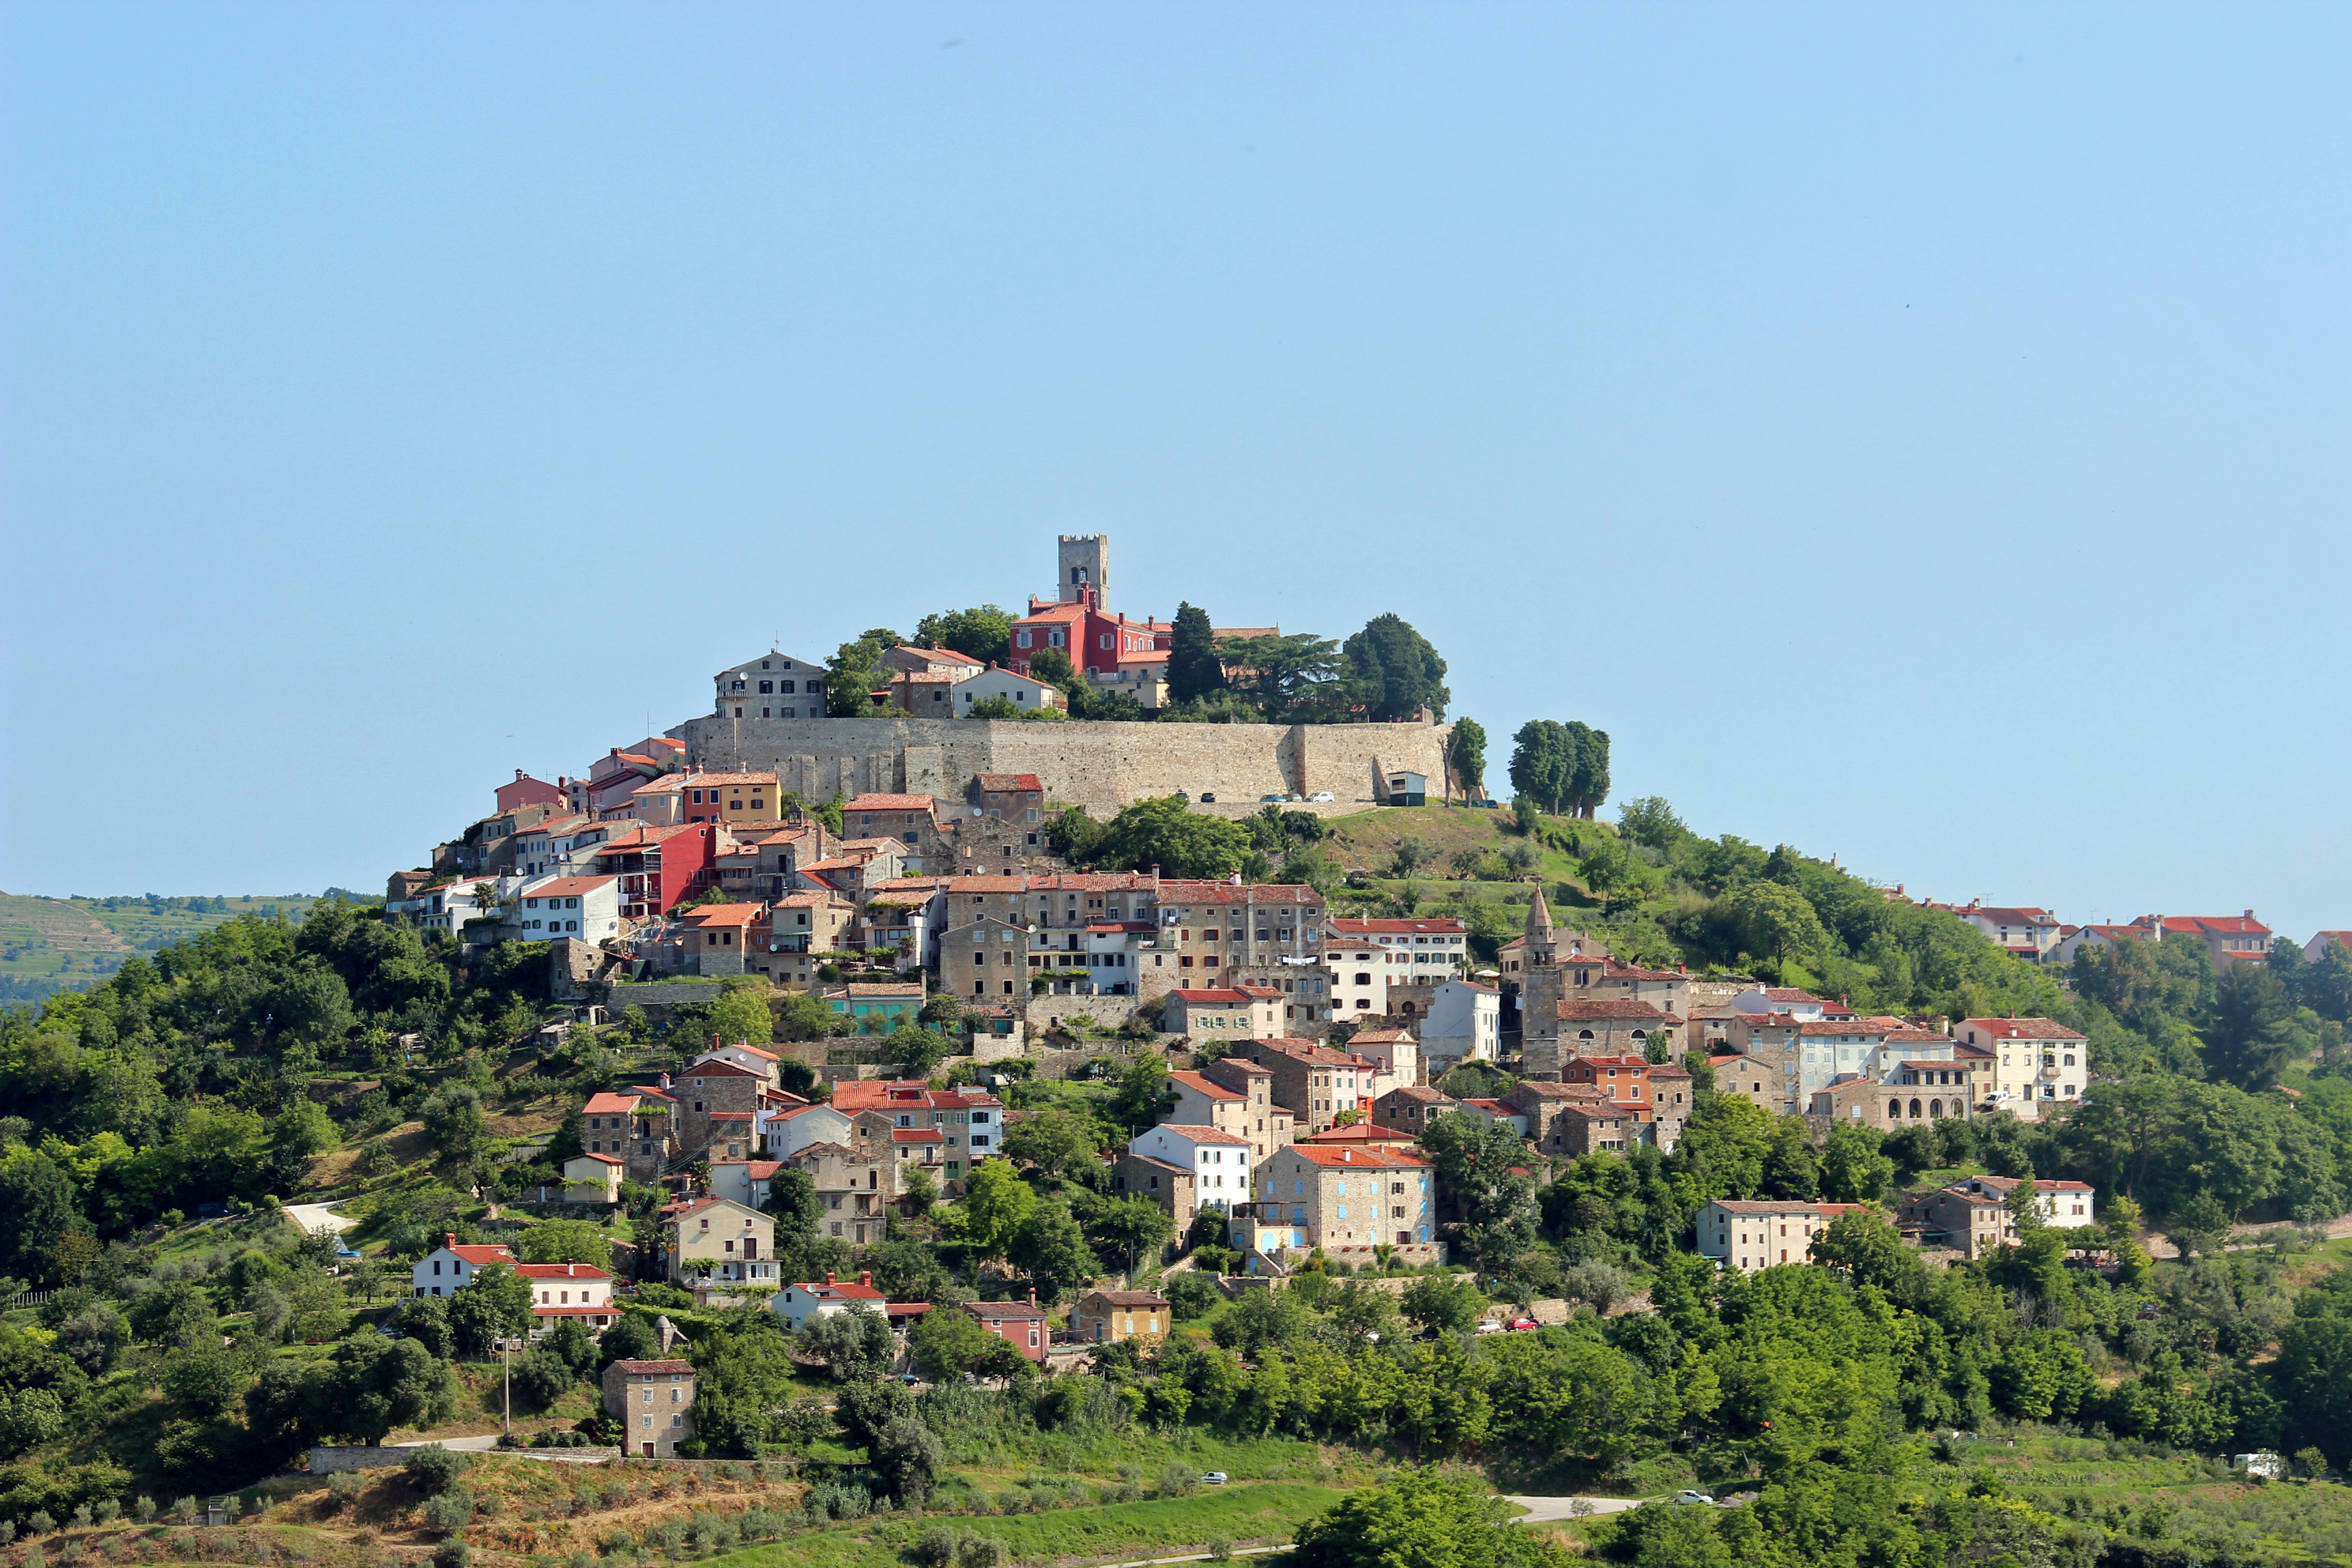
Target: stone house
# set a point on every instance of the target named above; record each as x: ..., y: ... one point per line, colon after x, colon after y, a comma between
x: 764, y: 862
x: 1545, y: 1102
x: 1752, y: 1081
x: 1172, y: 1186
x: 1102, y: 1316
x: 1223, y: 926
x: 800, y: 930
x: 1910, y: 1092
x: 1411, y: 1108
x: 1346, y: 1199
x: 717, y: 937
x: 641, y: 1125
x: 1592, y: 1126
x: 1223, y: 1014
x: 1672, y: 1097
x: 768, y: 680
x: 1971, y: 1217
x: 990, y: 844
x: 856, y: 1191
x: 1314, y: 1082
x: 711, y: 1089
x: 1233, y: 1097
x: 1755, y: 1235
x: 654, y: 1401
x: 1586, y: 1026
x: 1009, y: 797
x: 985, y: 957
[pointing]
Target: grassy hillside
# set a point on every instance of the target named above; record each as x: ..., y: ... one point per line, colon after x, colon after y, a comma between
x: 48, y: 945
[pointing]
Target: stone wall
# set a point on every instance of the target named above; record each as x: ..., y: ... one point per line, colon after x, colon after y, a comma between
x: 1100, y: 766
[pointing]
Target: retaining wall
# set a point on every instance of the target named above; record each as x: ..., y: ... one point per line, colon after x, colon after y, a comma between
x: 1101, y: 766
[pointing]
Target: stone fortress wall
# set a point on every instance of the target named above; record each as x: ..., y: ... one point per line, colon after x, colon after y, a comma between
x: 1100, y: 766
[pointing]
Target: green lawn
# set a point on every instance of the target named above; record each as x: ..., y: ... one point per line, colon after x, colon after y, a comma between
x: 1244, y: 1514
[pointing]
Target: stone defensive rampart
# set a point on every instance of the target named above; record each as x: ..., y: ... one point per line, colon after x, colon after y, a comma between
x: 1100, y: 766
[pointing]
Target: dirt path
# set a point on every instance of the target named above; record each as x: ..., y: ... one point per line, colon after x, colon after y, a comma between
x: 2158, y: 1245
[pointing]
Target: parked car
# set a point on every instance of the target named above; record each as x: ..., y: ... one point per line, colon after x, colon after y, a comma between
x: 1490, y: 1327
x: 1521, y: 1325
x: 1323, y: 796
x: 1278, y: 799
x: 1213, y: 1479
x: 1207, y: 799
x: 1686, y: 1497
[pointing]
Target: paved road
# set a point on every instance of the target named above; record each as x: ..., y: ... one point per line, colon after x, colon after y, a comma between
x: 462, y: 1445
x: 316, y: 1217
x: 1545, y: 1510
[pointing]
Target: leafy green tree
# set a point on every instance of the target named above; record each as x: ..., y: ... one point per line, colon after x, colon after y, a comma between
x: 1544, y: 765
x: 565, y: 1241
x: 1141, y: 1093
x: 370, y: 1385
x: 495, y: 1306
x: 852, y: 1345
x: 1466, y: 756
x: 1424, y: 1519
x: 744, y: 1376
x: 1853, y: 1170
x: 453, y: 1120
x: 1475, y: 1160
x: 1778, y: 920
x: 1168, y: 833
x: 916, y: 1050
x: 1130, y: 1229
x: 996, y: 1203
x: 631, y: 1338
x: 1871, y: 1251
x: 1393, y: 671
x: 1289, y: 678
x: 1194, y: 669
x: 1059, y: 1142
x: 794, y: 1202
x: 856, y: 672
x: 2247, y: 1029
x: 907, y: 1456
x: 1724, y: 1148
x: 947, y: 1343
x: 984, y: 631
x: 37, y: 1208
x: 1051, y: 1249
x: 302, y: 1131
x: 1443, y: 1303
x: 740, y: 1015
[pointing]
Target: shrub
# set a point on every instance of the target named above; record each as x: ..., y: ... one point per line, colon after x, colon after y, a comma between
x: 450, y: 1510
x: 435, y: 1471
x: 82, y: 1517
x: 8, y: 1531
x: 937, y: 1548
x: 109, y: 1510
x: 40, y: 1523
x: 450, y: 1555
x: 143, y: 1509
x: 979, y: 1551
x: 1220, y: 1549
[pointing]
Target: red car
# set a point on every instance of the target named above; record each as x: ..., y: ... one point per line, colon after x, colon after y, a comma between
x: 1518, y: 1323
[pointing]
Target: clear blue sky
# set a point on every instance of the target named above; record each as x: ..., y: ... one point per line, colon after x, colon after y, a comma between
x: 1918, y: 433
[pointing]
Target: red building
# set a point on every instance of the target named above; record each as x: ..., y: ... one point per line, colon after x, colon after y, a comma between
x: 1021, y: 1324
x: 1092, y: 638
x: 659, y: 867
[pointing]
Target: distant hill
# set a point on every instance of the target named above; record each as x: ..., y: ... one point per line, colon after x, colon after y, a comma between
x: 64, y: 944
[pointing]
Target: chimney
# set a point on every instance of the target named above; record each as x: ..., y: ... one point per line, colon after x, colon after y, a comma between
x: 828, y: 1276
x: 449, y: 1238
x: 865, y: 1277
x: 1033, y: 1295
x: 2249, y: 914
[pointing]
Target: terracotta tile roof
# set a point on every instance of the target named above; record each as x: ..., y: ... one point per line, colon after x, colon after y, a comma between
x: 1359, y: 1132
x: 886, y: 803
x: 848, y: 1290
x: 1173, y: 892
x: 2023, y: 1030
x: 1400, y: 928
x: 1091, y: 882
x: 601, y: 1159
x: 584, y: 1271
x: 943, y: 655
x: 1193, y: 1133
x: 1015, y: 1310
x: 722, y: 914
x: 988, y: 885
x: 878, y: 988
x: 1127, y: 1298
x: 1207, y: 997
x: 604, y: 1102
x: 1426, y: 1095
x: 654, y: 1368
x: 1752, y: 1207
x: 1343, y: 1157
x: 1380, y: 1037
x: 712, y: 1067
x: 1009, y: 783
x: 2217, y: 925
x: 1203, y: 1088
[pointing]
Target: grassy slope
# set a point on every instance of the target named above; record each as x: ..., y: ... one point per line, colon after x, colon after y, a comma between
x: 1368, y: 843
x: 1244, y: 1514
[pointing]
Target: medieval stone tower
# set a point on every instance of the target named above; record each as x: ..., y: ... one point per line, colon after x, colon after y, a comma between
x: 1553, y: 958
x: 1083, y: 568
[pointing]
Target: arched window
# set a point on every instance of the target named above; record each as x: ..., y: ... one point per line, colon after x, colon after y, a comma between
x: 1935, y: 1108
x: 1915, y: 1110
x: 1584, y: 1034
x: 1894, y: 1111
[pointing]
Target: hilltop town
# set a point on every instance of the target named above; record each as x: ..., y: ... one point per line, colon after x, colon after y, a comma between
x: 1142, y: 1038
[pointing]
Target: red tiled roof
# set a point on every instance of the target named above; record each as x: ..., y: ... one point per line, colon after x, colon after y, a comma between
x: 1359, y: 1132
x: 2023, y: 1028
x: 840, y: 1290
x: 1193, y: 1133
x: 600, y: 1103
x: 1202, y: 997
x: 1342, y: 1158
x: 1202, y: 1086
x: 1173, y: 892
x: 722, y: 915
x: 560, y: 1271
x: 654, y: 1368
x: 1400, y: 928
x: 569, y: 887
x: 988, y: 885
x: 1010, y: 784
x: 604, y: 1159
x: 1580, y: 1008
x: 887, y: 802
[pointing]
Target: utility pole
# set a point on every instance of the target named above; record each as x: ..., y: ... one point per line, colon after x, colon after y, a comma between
x: 506, y: 1389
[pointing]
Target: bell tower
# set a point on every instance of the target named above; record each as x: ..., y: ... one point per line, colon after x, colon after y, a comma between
x: 1082, y: 572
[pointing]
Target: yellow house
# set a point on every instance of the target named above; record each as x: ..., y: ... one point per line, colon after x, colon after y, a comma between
x: 1102, y: 1316
x: 738, y: 797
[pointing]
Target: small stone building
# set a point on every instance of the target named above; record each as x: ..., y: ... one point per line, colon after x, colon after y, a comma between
x: 653, y: 1401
